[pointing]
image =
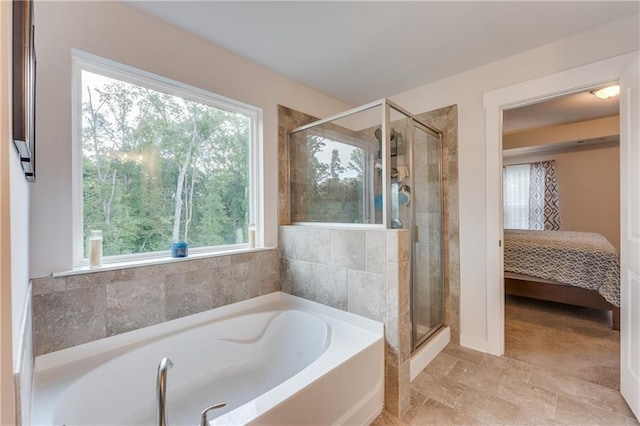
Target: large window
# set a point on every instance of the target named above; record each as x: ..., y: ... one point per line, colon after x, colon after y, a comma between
x: 162, y: 162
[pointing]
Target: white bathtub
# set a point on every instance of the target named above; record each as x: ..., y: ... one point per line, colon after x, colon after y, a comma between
x: 276, y: 359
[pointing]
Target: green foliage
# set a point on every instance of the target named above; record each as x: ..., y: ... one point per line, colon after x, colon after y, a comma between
x: 158, y: 168
x: 334, y: 193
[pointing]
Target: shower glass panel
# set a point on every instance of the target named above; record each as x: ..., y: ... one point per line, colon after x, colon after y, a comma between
x: 335, y: 172
x: 400, y: 137
x: 377, y: 166
x: 428, y: 292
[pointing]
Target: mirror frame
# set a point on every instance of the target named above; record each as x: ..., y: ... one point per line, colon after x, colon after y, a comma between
x: 24, y: 86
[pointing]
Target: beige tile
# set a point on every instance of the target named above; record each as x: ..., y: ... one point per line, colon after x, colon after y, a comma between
x: 331, y: 286
x: 440, y: 388
x: 376, y: 251
x: 417, y: 399
x: 301, y: 278
x: 434, y: 413
x: 392, y: 386
x: 366, y: 294
x: 475, y: 377
x: 48, y: 285
x: 348, y: 249
x: 68, y: 318
x: 487, y: 408
x: 387, y: 419
x: 464, y: 354
x: 404, y: 391
x: 528, y: 417
x: 98, y: 278
x: 230, y: 284
x: 392, y: 246
x: 442, y: 364
x: 523, y: 394
x: 507, y: 366
x: 187, y: 294
x: 572, y: 412
x: 580, y: 390
x: 134, y: 304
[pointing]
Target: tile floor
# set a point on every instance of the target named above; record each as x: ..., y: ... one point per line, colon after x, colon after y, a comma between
x: 462, y: 386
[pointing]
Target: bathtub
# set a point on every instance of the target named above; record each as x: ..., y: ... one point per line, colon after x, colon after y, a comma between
x: 275, y: 359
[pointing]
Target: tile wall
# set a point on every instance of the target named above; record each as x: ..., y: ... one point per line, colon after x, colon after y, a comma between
x: 365, y: 272
x: 76, y: 309
x: 446, y: 120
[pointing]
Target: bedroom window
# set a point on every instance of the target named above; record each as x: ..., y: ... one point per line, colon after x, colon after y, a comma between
x: 530, y: 193
x: 160, y: 162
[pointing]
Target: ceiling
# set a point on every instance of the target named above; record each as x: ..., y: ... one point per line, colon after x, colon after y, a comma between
x: 565, y: 109
x: 358, y: 52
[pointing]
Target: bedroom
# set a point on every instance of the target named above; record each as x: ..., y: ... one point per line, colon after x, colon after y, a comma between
x: 575, y: 138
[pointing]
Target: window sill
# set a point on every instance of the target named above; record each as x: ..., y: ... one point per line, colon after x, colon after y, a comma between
x: 154, y: 261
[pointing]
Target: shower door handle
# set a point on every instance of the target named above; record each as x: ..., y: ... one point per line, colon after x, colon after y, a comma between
x: 416, y: 234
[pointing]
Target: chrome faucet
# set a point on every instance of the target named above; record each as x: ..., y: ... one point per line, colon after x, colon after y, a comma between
x: 203, y: 415
x: 161, y: 391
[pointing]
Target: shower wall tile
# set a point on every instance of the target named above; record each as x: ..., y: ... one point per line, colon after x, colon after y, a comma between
x: 308, y: 244
x: 348, y: 249
x: 392, y: 246
x: 71, y: 310
x: 366, y: 295
x: 376, y: 249
x: 331, y: 286
x: 303, y: 279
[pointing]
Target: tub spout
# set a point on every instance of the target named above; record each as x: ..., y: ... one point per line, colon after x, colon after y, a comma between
x: 161, y: 391
x: 203, y: 415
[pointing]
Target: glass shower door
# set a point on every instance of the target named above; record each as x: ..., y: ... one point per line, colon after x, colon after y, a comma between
x: 428, y: 279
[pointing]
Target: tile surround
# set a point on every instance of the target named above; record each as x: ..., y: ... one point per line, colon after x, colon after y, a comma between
x: 340, y: 272
x: 71, y: 310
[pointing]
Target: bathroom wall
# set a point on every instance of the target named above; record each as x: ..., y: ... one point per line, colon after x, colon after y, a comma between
x: 75, y: 309
x: 365, y: 272
x: 16, y: 360
x: 117, y: 31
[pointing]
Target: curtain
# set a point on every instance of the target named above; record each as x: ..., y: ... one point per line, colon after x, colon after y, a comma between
x: 531, y: 196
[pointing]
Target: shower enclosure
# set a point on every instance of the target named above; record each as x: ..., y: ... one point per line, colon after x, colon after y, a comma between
x: 377, y: 166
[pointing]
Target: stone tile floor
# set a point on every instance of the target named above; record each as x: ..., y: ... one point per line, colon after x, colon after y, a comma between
x: 462, y: 386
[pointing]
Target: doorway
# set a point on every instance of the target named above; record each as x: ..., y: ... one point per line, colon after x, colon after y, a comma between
x: 574, y: 141
x: 623, y: 68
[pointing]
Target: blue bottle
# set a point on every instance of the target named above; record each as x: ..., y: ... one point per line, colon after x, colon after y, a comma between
x: 179, y: 249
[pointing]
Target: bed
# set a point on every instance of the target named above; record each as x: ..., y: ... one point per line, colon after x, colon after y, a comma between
x: 576, y: 268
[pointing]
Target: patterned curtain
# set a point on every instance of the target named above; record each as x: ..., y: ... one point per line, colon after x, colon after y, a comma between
x: 531, y: 196
x: 544, y: 208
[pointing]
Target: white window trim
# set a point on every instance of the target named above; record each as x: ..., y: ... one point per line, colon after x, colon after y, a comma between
x: 86, y: 61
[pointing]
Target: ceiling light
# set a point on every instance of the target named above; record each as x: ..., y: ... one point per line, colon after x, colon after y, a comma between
x: 607, y: 92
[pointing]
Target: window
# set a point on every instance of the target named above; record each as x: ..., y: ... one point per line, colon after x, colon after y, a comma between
x: 530, y: 193
x: 162, y: 162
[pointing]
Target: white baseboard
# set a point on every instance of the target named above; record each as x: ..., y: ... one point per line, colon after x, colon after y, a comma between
x: 428, y: 352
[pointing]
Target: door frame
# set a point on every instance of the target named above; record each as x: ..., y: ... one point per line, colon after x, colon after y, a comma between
x: 529, y: 92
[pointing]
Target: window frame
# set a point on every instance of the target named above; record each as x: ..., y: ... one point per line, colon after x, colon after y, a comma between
x: 83, y: 61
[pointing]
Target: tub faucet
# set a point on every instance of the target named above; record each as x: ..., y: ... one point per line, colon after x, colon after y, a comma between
x: 161, y: 391
x: 203, y: 415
